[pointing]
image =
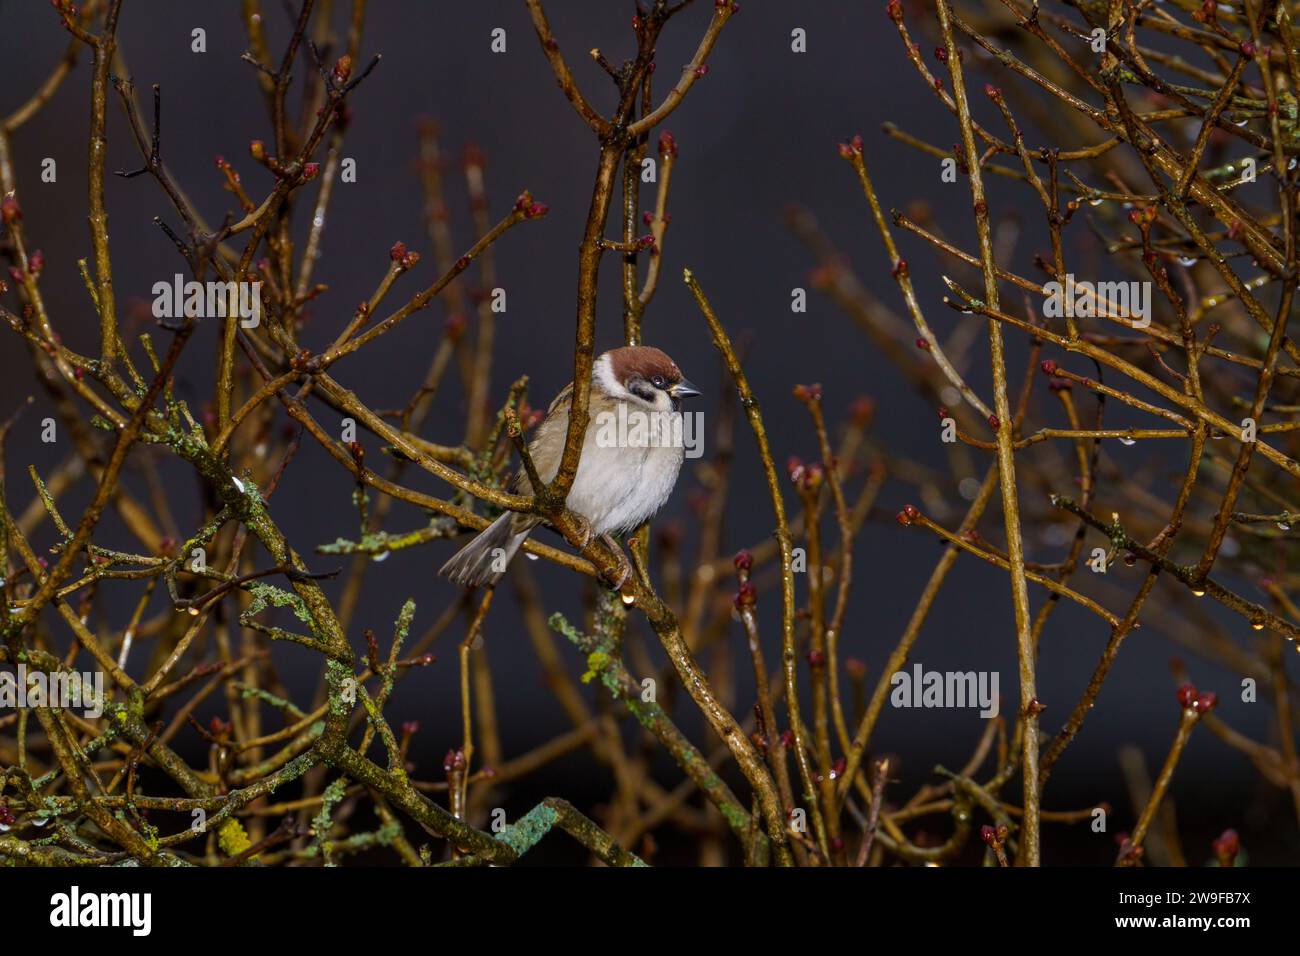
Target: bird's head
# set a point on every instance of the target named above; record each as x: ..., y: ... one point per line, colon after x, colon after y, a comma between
x: 642, y: 374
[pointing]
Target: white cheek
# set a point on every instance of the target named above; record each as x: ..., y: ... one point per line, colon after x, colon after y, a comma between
x: 604, y: 375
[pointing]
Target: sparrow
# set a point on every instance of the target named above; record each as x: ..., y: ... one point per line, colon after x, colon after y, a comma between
x: 624, y: 474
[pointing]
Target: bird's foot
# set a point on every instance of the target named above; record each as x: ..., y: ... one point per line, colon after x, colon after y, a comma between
x: 584, y: 530
x: 617, y: 579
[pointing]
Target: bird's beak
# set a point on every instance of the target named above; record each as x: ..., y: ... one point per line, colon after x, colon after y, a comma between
x: 683, y: 389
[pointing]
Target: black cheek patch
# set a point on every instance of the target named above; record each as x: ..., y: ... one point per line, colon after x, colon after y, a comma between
x: 642, y: 389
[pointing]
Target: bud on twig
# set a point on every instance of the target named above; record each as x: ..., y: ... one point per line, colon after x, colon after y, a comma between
x: 525, y: 205
x: 342, y: 70
x: 1226, y: 848
x: 808, y: 393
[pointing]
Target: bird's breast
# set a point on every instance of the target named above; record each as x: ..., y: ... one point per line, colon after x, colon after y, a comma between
x: 622, y: 483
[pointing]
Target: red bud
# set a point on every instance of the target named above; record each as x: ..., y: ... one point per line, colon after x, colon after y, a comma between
x: 342, y: 69
x: 1226, y: 847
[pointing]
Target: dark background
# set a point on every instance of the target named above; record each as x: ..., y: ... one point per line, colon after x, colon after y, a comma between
x: 758, y: 132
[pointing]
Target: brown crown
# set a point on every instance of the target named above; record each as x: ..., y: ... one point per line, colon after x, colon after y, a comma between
x: 642, y: 361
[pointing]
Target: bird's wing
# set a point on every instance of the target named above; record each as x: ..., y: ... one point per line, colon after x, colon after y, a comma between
x: 548, y: 443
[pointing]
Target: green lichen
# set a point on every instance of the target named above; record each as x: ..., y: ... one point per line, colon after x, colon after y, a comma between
x: 277, y: 702
x: 342, y: 683
x: 323, y: 822
x: 404, y: 618
x: 526, y: 832
x: 268, y: 595
x: 232, y: 838
x: 597, y: 661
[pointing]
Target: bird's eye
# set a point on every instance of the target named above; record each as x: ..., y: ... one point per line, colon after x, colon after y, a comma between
x: 657, y: 381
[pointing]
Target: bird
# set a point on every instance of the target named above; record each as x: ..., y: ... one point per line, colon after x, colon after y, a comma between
x: 625, y: 474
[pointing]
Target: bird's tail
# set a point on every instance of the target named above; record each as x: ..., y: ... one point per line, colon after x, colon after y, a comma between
x: 484, y: 559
